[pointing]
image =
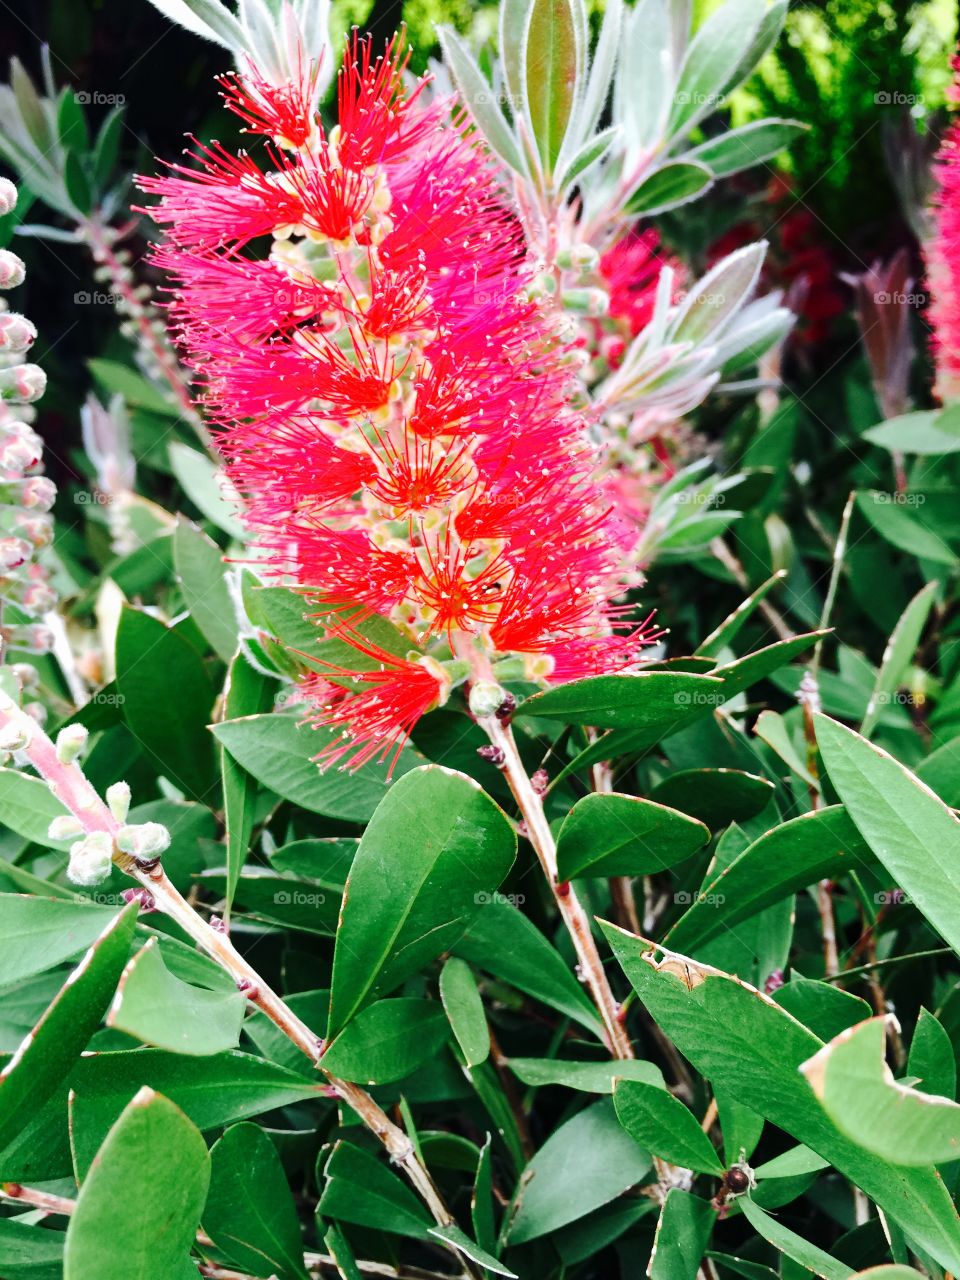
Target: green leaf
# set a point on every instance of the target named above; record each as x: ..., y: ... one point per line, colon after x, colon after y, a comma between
x: 443, y: 846
x: 387, y: 1041
x: 817, y: 845
x: 212, y: 1091
x: 115, y: 378
x: 39, y: 933
x: 808, y: 1255
x: 911, y: 830
x: 247, y: 692
x: 744, y: 147
x: 903, y: 528
x: 72, y: 131
x: 28, y: 806
x: 898, y: 653
x: 771, y: 728
x: 589, y: 1077
x: 47, y: 1054
x: 107, y: 146
x: 463, y: 1244
x: 932, y: 1062
x: 202, y: 483
x: 619, y: 835
x: 682, y: 1234
x: 551, y: 68
x: 481, y: 99
x: 76, y: 183
x: 739, y: 676
x: 464, y: 1009
x: 654, y: 703
x: 711, y: 61
x: 665, y: 1127
x: 914, y: 433
x: 730, y: 628
x: 30, y: 1253
x: 585, y: 1163
x: 139, y: 1208
x: 716, y: 797
x: 361, y: 1190
x: 858, y: 1092
x: 744, y: 1043
x: 167, y: 699
x: 200, y: 571
x: 675, y: 183
x: 155, y: 1006
x: 503, y: 942
x: 278, y: 751
x: 823, y: 1008
x: 250, y: 1214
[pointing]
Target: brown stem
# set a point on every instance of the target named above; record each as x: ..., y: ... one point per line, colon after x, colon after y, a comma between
x: 809, y: 698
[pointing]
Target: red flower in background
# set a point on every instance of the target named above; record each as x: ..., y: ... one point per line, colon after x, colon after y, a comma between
x: 392, y: 405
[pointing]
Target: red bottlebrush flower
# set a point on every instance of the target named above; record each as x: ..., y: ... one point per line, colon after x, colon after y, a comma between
x: 392, y: 405
x: 943, y: 269
x: 631, y: 271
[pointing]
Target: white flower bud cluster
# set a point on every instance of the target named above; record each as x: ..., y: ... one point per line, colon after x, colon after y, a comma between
x: 25, y: 496
x: 92, y: 855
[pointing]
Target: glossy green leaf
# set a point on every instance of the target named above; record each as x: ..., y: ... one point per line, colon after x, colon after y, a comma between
x: 802, y: 1251
x: 858, y: 1092
x: 139, y: 1207
x: 501, y: 941
x: 167, y: 699
x: 387, y: 1041
x: 155, y: 1006
x: 279, y: 751
x: 664, y: 1126
x: 250, y: 1213
x: 30, y: 1253
x: 359, y: 1188
x: 464, y: 1009
x: 914, y: 433
x: 443, y: 847
x: 899, y: 653
x: 200, y: 571
x: 742, y: 1041
x: 772, y: 729
x: 904, y: 528
x: 932, y: 1061
x: 28, y: 806
x: 653, y: 703
x: 247, y: 692
x: 682, y: 1235
x: 589, y: 1077
x: 463, y: 1244
x: 620, y: 835
x: 823, y: 843
x: 586, y: 1162
x: 212, y: 1091
x: 911, y: 830
x: 716, y: 797
x: 48, y: 1052
x: 39, y: 933
x: 551, y: 65
x: 673, y: 184
x: 741, y: 675
x: 730, y: 628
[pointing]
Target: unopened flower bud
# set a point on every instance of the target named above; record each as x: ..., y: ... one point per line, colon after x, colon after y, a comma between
x: 37, y: 529
x: 8, y: 197
x: 12, y: 270
x: 14, y: 736
x: 36, y: 493
x: 91, y: 859
x: 37, y: 712
x: 22, y: 383
x: 588, y: 302
x: 486, y: 697
x: 17, y: 333
x: 144, y: 841
x: 27, y: 676
x: 38, y: 597
x: 71, y: 741
x: 118, y: 799
x: 64, y: 827
x: 13, y: 553
x: 578, y: 257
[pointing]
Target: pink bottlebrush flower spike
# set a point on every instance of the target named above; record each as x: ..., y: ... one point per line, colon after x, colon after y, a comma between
x: 392, y: 404
x: 943, y: 255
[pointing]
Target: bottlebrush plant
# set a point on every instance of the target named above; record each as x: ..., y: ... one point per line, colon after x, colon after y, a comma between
x: 443, y: 835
